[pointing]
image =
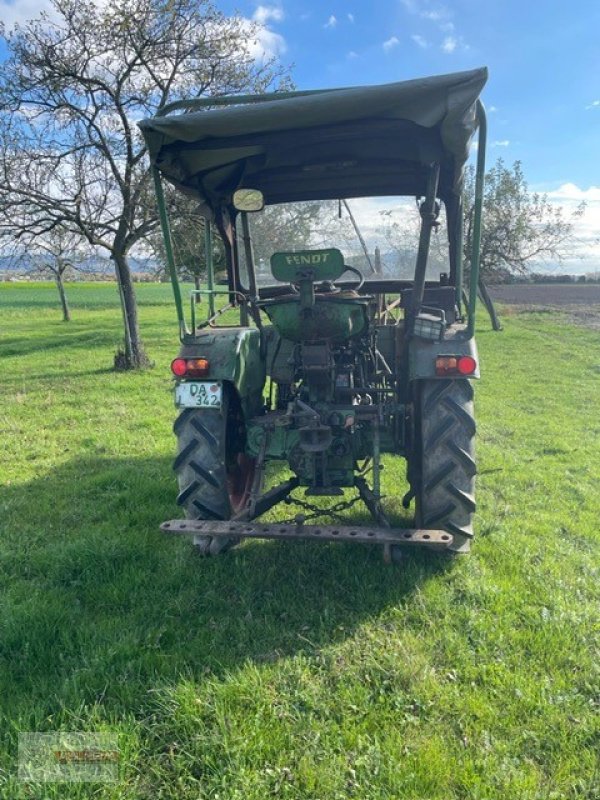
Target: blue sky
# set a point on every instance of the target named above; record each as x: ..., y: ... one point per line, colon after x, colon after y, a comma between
x: 544, y: 62
x: 543, y: 94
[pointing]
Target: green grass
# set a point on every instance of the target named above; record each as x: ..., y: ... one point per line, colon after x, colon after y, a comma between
x: 294, y: 670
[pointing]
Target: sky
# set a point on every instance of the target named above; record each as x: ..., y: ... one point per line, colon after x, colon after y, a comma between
x: 543, y: 93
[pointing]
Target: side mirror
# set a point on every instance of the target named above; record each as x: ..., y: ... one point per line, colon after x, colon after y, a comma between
x: 248, y: 200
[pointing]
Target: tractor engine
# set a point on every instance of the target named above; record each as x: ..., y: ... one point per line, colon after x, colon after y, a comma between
x: 324, y: 413
x: 322, y: 424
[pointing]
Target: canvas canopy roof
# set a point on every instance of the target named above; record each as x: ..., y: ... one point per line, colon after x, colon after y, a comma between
x: 353, y: 142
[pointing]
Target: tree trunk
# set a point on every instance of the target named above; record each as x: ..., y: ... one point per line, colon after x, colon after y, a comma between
x: 489, y: 304
x: 134, y: 356
x: 63, y: 298
x: 197, y: 281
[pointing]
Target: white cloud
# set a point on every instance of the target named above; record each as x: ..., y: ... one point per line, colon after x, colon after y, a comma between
x: 436, y: 15
x: 449, y: 44
x: 367, y: 212
x: 492, y: 109
x: 331, y: 22
x: 441, y: 17
x: 351, y: 18
x: 262, y: 44
x: 18, y: 12
x: 570, y: 191
x: 352, y: 54
x: 390, y: 43
x: 586, y: 229
x: 263, y: 14
x: 501, y: 143
x: 420, y: 40
x: 593, y: 104
x: 265, y: 44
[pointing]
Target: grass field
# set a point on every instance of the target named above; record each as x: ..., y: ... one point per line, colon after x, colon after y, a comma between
x: 294, y: 670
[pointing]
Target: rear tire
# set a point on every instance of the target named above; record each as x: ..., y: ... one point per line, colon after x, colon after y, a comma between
x: 213, y: 472
x: 445, y: 436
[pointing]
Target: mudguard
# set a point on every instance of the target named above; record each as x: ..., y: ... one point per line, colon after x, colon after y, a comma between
x: 233, y: 354
x: 423, y: 353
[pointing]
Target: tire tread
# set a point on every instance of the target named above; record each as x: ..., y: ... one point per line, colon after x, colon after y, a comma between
x: 446, y: 491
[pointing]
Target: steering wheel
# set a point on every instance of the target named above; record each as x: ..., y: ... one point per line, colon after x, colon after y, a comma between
x: 361, y: 277
x: 333, y: 284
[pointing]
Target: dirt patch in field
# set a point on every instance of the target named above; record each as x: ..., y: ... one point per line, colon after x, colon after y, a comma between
x: 580, y: 302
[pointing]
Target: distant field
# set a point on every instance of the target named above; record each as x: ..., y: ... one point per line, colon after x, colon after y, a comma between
x: 548, y: 294
x: 579, y: 302
x: 105, y: 295
x: 43, y: 294
x: 294, y: 670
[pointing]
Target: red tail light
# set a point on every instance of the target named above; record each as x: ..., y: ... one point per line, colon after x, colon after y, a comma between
x: 455, y: 365
x: 179, y: 367
x: 190, y: 367
x: 466, y: 365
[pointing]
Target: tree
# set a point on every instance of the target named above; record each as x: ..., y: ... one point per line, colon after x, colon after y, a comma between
x: 288, y: 226
x: 519, y: 228
x: 400, y: 229
x: 71, y: 90
x: 295, y: 226
x: 56, y: 254
x: 188, y: 241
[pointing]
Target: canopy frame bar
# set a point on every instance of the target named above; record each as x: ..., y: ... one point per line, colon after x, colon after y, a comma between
x: 477, y: 216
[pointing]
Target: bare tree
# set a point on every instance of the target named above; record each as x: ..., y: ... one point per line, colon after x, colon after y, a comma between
x: 400, y: 230
x: 519, y: 228
x: 74, y: 85
x: 188, y: 240
x: 56, y: 254
x: 296, y: 226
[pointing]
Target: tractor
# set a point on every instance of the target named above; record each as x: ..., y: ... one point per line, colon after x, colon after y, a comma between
x: 303, y: 357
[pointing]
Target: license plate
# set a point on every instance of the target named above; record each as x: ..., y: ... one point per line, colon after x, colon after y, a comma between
x: 198, y: 394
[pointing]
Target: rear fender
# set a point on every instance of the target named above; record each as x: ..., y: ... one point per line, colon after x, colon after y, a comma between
x: 233, y: 355
x: 423, y: 353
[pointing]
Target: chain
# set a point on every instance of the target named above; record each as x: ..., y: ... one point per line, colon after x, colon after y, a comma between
x: 333, y: 511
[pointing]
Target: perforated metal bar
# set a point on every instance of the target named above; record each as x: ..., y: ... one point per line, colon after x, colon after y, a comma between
x: 436, y: 539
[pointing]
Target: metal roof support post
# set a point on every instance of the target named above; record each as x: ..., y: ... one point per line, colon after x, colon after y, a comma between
x: 210, y: 267
x: 428, y: 216
x: 458, y: 281
x: 166, y: 231
x: 249, y: 253
x: 478, y: 209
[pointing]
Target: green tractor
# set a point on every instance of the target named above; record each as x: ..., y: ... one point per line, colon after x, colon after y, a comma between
x: 330, y: 363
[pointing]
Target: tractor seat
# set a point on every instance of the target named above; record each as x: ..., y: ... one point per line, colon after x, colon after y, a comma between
x: 316, y: 309
x: 336, y: 316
